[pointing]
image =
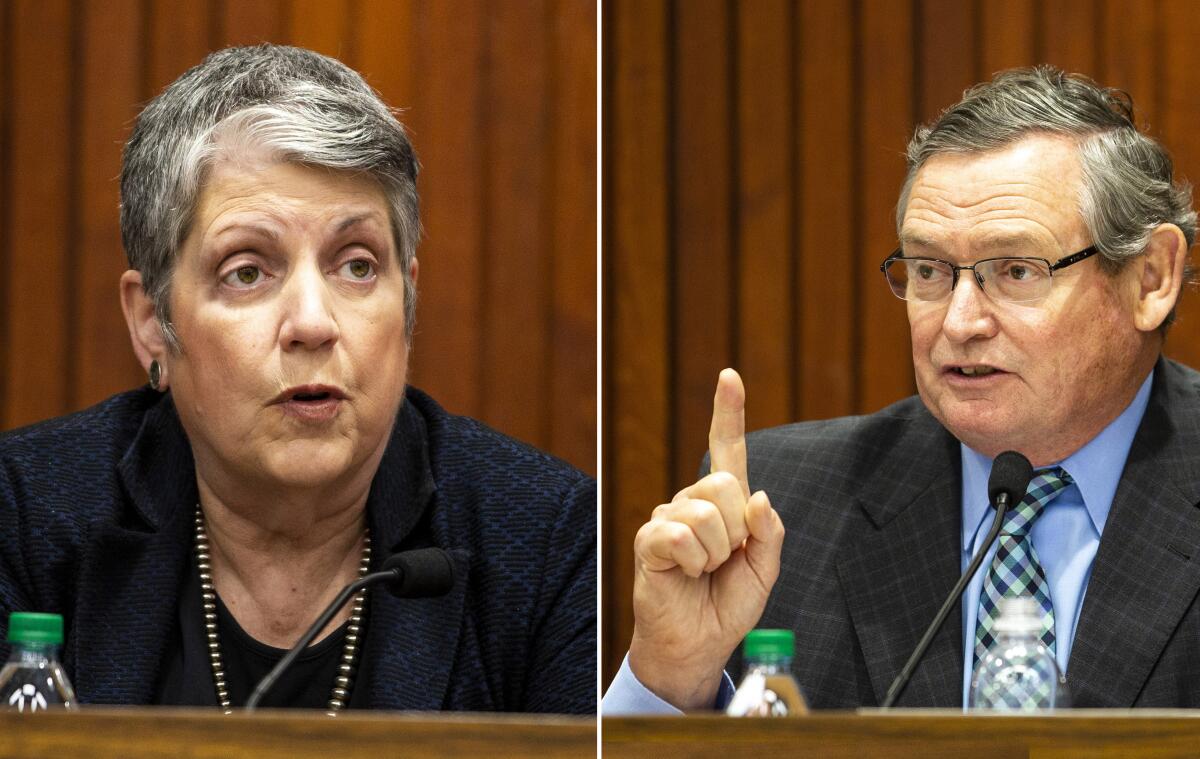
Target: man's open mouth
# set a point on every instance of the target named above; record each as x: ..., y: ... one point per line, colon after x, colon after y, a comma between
x: 974, y: 371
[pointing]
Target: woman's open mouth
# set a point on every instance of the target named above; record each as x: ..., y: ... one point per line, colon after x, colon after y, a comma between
x: 311, y: 403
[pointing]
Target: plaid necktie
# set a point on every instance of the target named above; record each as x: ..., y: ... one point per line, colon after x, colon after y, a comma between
x: 1015, y: 568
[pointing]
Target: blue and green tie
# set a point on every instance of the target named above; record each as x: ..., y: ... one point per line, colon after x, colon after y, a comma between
x: 1015, y: 569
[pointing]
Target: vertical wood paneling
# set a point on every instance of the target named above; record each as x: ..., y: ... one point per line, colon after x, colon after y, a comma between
x: 321, y: 25
x: 387, y: 48
x: 702, y: 211
x: 452, y: 254
x: 36, y: 330
x: 179, y: 38
x: 1179, y: 81
x: 1070, y: 33
x: 1006, y: 35
x: 111, y: 82
x: 249, y: 22
x: 947, y: 53
x: 887, y: 109
x: 572, y: 370
x: 826, y: 281
x: 516, y: 330
x: 637, y: 243
x: 1131, y: 54
x: 6, y: 48
x: 524, y: 95
x: 764, y: 208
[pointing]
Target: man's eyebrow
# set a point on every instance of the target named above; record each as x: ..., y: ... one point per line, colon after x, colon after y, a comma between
x: 908, y: 238
x: 990, y: 242
x: 1016, y: 240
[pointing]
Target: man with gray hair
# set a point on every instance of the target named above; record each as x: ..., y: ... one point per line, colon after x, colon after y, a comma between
x: 1042, y: 248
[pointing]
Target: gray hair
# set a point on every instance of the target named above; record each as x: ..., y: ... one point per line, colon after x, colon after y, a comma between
x: 1128, y: 185
x: 299, y: 106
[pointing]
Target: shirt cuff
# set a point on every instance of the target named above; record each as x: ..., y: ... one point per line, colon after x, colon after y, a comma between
x: 627, y: 696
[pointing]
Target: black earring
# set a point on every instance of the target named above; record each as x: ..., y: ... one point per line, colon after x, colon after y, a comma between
x: 155, y: 374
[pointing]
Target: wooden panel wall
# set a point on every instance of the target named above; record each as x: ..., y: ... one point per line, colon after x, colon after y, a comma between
x: 500, y: 99
x: 752, y: 157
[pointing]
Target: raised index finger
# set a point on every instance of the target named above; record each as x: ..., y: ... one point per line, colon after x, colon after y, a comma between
x: 727, y: 434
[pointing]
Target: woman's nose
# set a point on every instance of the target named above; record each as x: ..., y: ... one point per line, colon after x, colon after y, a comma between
x: 308, y: 320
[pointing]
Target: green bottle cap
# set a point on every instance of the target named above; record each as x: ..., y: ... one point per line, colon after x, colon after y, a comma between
x: 34, y: 627
x: 760, y: 644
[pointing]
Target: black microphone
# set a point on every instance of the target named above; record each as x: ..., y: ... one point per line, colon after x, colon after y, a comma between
x: 1011, y: 473
x: 419, y: 573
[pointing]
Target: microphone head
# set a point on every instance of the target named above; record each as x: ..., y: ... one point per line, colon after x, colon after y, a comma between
x: 422, y: 573
x: 1011, y: 473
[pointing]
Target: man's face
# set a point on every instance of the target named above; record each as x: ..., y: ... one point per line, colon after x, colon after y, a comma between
x: 1041, y: 378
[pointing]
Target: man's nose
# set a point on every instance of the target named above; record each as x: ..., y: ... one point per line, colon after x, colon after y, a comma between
x: 309, y: 321
x: 970, y: 312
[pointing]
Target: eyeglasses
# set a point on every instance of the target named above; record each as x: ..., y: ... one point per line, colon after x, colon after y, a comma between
x: 1012, y: 280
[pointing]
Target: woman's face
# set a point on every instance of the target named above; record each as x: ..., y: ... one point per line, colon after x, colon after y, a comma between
x: 288, y: 300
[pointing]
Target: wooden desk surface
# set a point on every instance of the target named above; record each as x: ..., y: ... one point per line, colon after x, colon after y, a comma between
x: 139, y: 733
x: 1100, y: 734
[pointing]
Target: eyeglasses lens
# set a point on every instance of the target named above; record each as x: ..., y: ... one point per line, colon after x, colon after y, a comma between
x: 1013, y: 280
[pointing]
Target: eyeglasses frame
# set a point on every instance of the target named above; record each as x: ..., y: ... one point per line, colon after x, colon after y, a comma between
x: 1062, y: 263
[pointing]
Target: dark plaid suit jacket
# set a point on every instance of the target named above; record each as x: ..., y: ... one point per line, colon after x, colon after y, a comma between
x: 872, y: 510
x: 96, y: 524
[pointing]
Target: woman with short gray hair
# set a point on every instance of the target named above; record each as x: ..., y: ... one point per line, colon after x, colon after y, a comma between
x: 190, y: 531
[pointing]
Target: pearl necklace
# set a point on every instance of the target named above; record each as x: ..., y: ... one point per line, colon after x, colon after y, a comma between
x: 208, y: 594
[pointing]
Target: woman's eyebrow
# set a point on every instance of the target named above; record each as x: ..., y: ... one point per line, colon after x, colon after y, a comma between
x: 352, y: 221
x: 256, y: 227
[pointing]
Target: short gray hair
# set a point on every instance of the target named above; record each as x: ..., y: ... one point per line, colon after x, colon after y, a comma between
x: 300, y: 106
x: 1128, y: 183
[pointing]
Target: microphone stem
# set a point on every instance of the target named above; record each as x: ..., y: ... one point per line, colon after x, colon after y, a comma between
x: 902, y: 679
x: 312, y: 632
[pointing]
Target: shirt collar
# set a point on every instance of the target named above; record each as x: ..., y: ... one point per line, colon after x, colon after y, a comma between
x: 1096, y: 469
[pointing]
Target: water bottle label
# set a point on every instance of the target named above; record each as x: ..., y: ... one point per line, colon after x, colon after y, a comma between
x: 27, y: 698
x: 771, y: 705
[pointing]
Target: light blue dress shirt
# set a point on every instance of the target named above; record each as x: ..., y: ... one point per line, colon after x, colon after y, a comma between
x: 1065, y: 537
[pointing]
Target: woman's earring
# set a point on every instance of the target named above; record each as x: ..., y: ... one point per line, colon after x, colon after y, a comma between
x: 155, y: 374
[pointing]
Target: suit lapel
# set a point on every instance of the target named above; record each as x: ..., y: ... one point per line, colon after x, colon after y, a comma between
x: 895, y: 578
x: 1147, y: 570
x: 131, y: 570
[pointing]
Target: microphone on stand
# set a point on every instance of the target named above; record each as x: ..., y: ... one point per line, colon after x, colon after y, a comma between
x: 420, y: 573
x: 1011, y: 473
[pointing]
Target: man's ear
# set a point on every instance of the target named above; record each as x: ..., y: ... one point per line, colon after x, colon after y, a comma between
x: 144, y: 331
x: 1162, y: 267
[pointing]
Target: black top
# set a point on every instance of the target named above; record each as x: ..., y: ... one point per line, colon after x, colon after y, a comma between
x: 187, y: 677
x: 97, y: 524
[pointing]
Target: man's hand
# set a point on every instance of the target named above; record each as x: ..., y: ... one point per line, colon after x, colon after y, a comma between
x: 703, y: 567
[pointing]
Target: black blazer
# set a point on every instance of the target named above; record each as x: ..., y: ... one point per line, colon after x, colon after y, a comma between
x: 873, y: 516
x: 96, y: 524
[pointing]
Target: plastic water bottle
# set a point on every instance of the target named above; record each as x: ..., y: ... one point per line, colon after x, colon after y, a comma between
x: 1018, y: 672
x: 768, y: 688
x: 33, y: 680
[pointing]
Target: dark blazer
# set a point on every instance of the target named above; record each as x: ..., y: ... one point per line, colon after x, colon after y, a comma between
x: 96, y: 524
x: 872, y: 510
